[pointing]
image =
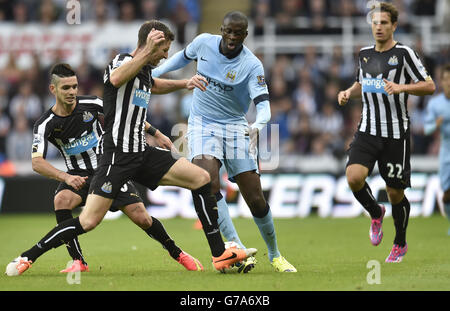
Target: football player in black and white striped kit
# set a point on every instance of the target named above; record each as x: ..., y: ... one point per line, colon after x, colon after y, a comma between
x: 73, y: 126
x: 388, y: 72
x: 128, y: 84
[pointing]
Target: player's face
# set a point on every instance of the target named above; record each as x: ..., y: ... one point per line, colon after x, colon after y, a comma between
x: 446, y: 83
x: 162, y: 52
x: 233, y: 35
x: 382, y: 27
x: 65, y: 90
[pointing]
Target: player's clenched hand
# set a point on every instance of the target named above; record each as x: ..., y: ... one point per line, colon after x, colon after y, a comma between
x: 163, y: 141
x: 154, y: 38
x: 253, y: 133
x: 343, y: 97
x: 197, y: 81
x: 75, y: 181
x: 392, y: 88
x: 439, y: 121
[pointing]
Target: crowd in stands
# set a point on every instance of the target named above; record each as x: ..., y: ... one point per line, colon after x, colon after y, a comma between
x: 303, y: 87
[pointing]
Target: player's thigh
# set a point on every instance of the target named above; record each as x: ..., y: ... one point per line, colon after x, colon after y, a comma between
x: 186, y: 175
x: 363, y: 153
x: 238, y: 157
x: 67, y: 199
x: 394, y: 164
x: 94, y: 211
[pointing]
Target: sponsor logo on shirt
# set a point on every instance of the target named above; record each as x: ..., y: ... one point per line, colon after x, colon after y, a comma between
x: 81, y: 144
x: 141, y: 98
x: 373, y: 85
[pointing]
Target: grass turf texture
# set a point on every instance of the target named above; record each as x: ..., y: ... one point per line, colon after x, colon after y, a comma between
x: 330, y: 255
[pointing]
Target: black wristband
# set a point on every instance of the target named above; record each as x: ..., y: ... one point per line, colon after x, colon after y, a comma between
x: 152, y: 130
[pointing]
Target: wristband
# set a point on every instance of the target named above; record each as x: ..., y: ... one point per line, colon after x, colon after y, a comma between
x: 152, y: 130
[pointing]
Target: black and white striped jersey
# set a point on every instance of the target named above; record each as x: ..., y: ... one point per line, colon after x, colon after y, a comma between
x: 126, y: 108
x: 386, y: 115
x: 78, y: 136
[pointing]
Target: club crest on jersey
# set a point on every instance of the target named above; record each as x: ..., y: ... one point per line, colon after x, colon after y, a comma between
x: 393, y: 61
x: 231, y: 75
x: 107, y: 187
x: 87, y: 116
x: 261, y: 80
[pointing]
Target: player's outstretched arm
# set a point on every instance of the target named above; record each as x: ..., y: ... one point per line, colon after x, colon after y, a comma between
x: 44, y: 168
x: 164, y: 86
x: 177, y: 61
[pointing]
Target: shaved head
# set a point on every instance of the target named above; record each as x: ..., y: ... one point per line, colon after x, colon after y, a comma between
x: 235, y: 16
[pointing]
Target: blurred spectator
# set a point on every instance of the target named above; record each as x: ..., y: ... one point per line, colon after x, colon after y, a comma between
x: 127, y: 11
x: 27, y: 103
x: 181, y: 12
x: 261, y: 9
x: 5, y: 123
x: 11, y: 72
x: 48, y: 12
x: 19, y: 140
x: 424, y: 7
x: 286, y: 12
x: 20, y: 11
x: 158, y: 119
x: 149, y: 10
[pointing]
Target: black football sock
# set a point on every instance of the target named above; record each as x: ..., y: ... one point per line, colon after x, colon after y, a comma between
x: 159, y: 233
x: 206, y: 207
x: 62, y: 233
x: 73, y: 247
x: 400, y: 214
x: 365, y: 197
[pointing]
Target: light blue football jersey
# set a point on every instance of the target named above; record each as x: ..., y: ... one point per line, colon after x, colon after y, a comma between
x: 439, y: 106
x: 233, y: 83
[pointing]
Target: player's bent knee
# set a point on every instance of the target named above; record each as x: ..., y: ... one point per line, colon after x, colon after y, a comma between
x: 395, y: 195
x: 88, y: 223
x: 355, y: 179
x: 201, y: 178
x: 64, y: 201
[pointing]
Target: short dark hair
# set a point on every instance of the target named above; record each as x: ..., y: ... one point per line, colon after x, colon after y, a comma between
x: 388, y: 8
x: 62, y: 70
x: 147, y: 27
x: 237, y: 16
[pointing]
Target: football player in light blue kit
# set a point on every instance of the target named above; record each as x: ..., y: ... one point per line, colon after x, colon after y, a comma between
x: 218, y: 132
x: 438, y: 118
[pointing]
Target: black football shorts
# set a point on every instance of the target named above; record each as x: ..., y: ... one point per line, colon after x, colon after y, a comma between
x: 128, y: 193
x: 392, y: 155
x: 115, y: 169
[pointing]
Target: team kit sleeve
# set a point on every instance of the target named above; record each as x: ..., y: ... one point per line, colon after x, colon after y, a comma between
x: 181, y: 58
x: 260, y: 95
x: 115, y: 63
x: 40, y: 141
x: 414, y: 67
x: 429, y: 125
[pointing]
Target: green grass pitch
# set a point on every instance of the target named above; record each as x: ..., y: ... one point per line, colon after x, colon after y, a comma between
x: 330, y: 255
